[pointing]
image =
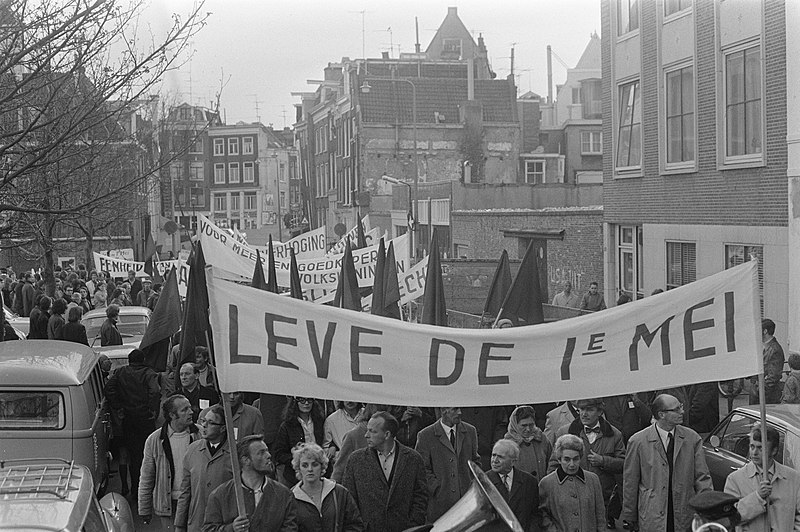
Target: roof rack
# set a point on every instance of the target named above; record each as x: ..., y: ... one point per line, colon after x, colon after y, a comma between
x: 53, y: 477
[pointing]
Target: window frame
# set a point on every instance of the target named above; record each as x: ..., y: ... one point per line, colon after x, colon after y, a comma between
x: 252, y: 174
x: 632, y: 125
x: 235, y: 203
x: 667, y: 284
x: 683, y: 163
x: 199, y: 197
x: 219, y: 171
x: 233, y: 173
x: 747, y: 250
x: 198, y: 142
x: 635, y: 249
x: 247, y: 145
x: 746, y: 159
x: 221, y: 199
x: 591, y: 142
x: 197, y: 176
x: 683, y: 5
x: 247, y: 197
x: 233, y: 146
x: 631, y: 5
x: 543, y: 173
x: 219, y: 147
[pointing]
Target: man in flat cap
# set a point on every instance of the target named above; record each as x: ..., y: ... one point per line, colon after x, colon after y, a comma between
x: 714, y: 507
x: 605, y: 451
x: 768, y: 501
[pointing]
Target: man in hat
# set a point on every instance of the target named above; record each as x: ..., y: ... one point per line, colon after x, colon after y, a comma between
x: 605, y: 450
x: 768, y: 501
x: 714, y: 507
x: 145, y: 293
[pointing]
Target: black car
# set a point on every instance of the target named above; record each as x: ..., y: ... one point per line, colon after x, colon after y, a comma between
x: 726, y: 447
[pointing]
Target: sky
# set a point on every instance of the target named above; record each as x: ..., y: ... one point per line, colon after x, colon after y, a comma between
x: 255, y: 53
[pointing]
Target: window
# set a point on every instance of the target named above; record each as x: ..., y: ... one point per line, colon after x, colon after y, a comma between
x: 282, y: 172
x: 736, y: 254
x: 21, y: 410
x: 233, y: 146
x: 629, y: 143
x: 673, y: 6
x: 248, y: 173
x: 283, y: 200
x: 198, y: 198
x: 235, y: 203
x: 451, y: 47
x: 175, y: 171
x: 233, y: 173
x: 681, y: 264
x: 196, y: 172
x: 197, y: 146
x: 680, y: 115
x: 743, y: 102
x: 629, y: 260
x: 219, y: 174
x: 220, y: 203
x: 534, y: 172
x: 591, y: 142
x: 576, y: 95
x: 250, y: 201
x: 219, y: 146
x: 627, y: 16
x: 247, y: 146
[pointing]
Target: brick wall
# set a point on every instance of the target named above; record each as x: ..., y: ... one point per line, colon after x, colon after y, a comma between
x: 577, y: 258
x: 752, y: 196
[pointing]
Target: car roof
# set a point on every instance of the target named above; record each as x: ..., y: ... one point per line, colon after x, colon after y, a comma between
x: 787, y: 416
x: 128, y: 309
x: 45, y: 363
x: 44, y: 494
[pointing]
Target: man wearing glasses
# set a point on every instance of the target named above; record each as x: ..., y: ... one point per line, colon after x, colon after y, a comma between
x: 665, y: 467
x: 206, y: 466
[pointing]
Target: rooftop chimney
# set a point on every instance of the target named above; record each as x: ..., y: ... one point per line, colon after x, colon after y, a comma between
x: 384, y: 55
x: 452, y: 11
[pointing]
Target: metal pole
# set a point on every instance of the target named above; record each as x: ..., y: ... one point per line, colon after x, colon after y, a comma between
x: 278, y: 189
x: 416, y: 163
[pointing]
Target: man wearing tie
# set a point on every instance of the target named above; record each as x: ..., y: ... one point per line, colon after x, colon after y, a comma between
x: 445, y: 447
x: 605, y: 451
x: 518, y: 488
x: 664, y: 463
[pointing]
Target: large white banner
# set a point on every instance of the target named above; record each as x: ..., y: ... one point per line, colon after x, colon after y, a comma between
x: 306, y: 246
x: 222, y: 250
x: 705, y: 331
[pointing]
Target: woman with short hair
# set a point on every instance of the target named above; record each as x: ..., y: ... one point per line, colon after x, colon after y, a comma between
x: 569, y: 497
x: 322, y: 504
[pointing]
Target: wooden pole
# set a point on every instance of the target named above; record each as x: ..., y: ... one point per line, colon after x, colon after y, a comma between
x: 762, y: 403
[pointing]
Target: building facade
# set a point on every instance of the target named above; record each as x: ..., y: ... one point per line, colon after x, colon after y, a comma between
x: 695, y: 145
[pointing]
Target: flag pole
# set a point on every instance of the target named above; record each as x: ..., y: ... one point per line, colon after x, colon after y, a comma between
x: 237, y: 473
x: 762, y: 403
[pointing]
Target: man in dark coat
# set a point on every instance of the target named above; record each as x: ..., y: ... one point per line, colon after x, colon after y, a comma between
x: 701, y: 405
x: 387, y: 479
x: 39, y: 318
x: 275, y: 508
x: 774, y: 359
x: 627, y: 413
x: 518, y: 488
x: 200, y: 397
x: 109, y: 334
x: 491, y: 423
x: 446, y: 447
x: 134, y: 390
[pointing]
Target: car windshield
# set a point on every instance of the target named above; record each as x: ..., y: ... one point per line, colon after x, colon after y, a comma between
x: 31, y: 410
x: 128, y: 325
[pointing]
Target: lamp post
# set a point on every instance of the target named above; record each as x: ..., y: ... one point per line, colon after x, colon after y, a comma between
x: 412, y: 224
x: 365, y: 88
x: 278, y: 195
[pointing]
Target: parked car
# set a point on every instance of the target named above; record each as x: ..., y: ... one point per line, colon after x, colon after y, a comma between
x: 132, y: 324
x: 727, y: 447
x: 51, y: 404
x: 20, y: 323
x: 53, y: 494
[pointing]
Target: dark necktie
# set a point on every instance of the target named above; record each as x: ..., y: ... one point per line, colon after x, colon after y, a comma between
x: 453, y: 439
x: 506, y: 489
x: 670, y: 507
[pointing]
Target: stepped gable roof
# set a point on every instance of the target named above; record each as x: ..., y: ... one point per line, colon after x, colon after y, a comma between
x: 391, y: 101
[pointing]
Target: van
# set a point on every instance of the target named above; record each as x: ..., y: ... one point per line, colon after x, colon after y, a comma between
x: 51, y: 404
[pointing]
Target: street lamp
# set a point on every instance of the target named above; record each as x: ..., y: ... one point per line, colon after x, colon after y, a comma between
x: 365, y: 88
x: 412, y: 224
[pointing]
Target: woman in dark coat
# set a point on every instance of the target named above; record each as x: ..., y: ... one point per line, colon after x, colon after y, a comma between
x: 322, y: 504
x: 303, y: 421
x: 74, y: 331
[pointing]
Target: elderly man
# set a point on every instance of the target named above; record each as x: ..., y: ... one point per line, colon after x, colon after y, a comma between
x: 206, y: 466
x: 269, y: 505
x: 144, y: 294
x: 567, y: 298
x: 665, y: 463
x: 162, y: 466
x: 200, y: 397
x: 605, y: 451
x: 446, y: 447
x: 387, y: 479
x: 518, y: 488
x: 780, y: 486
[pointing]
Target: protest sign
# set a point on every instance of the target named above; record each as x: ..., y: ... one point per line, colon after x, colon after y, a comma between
x: 308, y: 245
x: 705, y: 331
x: 351, y: 236
x: 118, y: 267
x: 164, y: 266
x: 221, y: 249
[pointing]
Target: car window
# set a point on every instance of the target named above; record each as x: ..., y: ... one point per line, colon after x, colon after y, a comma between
x: 31, y: 410
x: 135, y: 325
x: 791, y: 448
x: 735, y: 436
x: 93, y: 326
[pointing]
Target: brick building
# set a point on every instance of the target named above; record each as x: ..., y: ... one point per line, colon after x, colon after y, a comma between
x: 569, y: 241
x: 695, y: 151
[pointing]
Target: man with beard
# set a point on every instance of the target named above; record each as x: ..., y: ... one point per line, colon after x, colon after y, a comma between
x: 162, y: 465
x: 268, y: 504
